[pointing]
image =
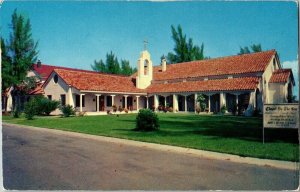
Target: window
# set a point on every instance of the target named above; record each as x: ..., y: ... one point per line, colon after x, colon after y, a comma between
x: 55, y: 79
x: 49, y: 97
x: 63, y: 99
x: 108, y: 101
x: 78, y: 101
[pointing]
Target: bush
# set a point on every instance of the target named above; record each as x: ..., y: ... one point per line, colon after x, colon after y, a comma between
x: 126, y: 110
x: 45, y: 106
x: 114, y: 107
x: 30, y: 109
x: 67, y: 110
x: 146, y: 120
x: 170, y: 109
x: 198, y: 110
x: 120, y: 109
x: 16, y: 113
x: 223, y: 109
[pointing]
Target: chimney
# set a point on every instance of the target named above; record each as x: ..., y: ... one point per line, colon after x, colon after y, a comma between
x: 39, y: 63
x: 163, y: 64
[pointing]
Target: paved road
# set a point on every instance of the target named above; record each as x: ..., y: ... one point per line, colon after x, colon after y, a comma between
x: 43, y: 159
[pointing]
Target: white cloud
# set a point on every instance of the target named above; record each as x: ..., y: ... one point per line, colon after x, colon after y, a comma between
x: 295, y: 68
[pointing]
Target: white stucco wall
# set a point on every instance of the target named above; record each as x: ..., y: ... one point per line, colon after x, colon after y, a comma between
x: 55, y: 90
x: 277, y: 93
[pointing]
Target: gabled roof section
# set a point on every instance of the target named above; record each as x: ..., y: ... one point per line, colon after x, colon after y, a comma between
x: 45, y: 70
x: 281, y: 76
x: 234, y: 84
x: 93, y: 81
x: 237, y: 64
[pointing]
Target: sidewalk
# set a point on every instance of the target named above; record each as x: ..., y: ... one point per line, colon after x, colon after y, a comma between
x: 181, y: 150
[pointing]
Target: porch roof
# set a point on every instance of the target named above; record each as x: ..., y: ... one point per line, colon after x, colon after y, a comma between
x: 234, y: 84
x: 281, y: 76
x: 92, y: 81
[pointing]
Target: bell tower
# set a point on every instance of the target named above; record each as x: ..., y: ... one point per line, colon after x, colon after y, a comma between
x: 145, y: 69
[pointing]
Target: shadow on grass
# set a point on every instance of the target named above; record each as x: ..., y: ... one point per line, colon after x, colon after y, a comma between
x: 242, y: 128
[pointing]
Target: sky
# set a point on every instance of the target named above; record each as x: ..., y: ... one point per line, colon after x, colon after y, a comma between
x: 75, y: 33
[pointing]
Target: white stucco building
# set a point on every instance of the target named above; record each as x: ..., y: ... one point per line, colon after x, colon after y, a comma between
x: 248, y: 81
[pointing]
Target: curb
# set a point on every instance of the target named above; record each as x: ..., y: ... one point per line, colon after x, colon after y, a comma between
x: 195, y: 152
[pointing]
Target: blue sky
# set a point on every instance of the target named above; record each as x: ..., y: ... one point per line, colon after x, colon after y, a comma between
x: 75, y: 33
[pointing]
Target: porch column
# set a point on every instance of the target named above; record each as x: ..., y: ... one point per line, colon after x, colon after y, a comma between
x: 185, y: 104
x: 155, y: 101
x: 137, y: 102
x: 126, y: 101
x: 208, y: 103
x: 112, y: 99
x: 175, y: 103
x: 165, y: 101
x: 222, y: 100
x: 147, y: 102
x: 81, y: 102
x: 97, y: 97
x: 237, y: 102
x: 70, y: 97
x: 196, y: 103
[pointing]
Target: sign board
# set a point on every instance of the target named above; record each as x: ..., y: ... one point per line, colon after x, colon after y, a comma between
x: 281, y: 116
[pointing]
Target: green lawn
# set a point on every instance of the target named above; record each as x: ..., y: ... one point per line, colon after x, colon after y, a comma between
x: 226, y: 134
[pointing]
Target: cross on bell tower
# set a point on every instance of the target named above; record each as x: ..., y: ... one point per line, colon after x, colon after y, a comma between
x: 145, y: 44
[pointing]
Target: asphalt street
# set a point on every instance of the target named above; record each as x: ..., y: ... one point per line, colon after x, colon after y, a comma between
x: 39, y: 159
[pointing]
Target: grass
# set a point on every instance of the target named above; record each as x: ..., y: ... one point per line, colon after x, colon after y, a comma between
x: 226, y: 134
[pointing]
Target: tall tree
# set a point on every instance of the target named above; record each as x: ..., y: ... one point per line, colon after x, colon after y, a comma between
x: 126, y: 68
x: 99, y: 66
x: 253, y: 48
x: 112, y: 65
x: 184, y: 49
x: 19, y: 54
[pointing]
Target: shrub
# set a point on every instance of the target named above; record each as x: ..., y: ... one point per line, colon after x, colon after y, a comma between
x: 198, y: 110
x: 67, y: 110
x: 160, y: 108
x: 108, y: 112
x: 223, y: 109
x: 30, y: 109
x: 81, y: 114
x: 120, y: 109
x: 147, y: 120
x: 16, y: 113
x: 45, y: 106
x: 170, y: 109
x: 49, y: 106
x: 114, y: 107
x: 201, y: 100
x: 166, y: 109
x: 126, y: 110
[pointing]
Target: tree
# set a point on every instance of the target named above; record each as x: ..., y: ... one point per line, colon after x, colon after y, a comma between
x: 112, y: 65
x: 18, y: 55
x: 126, y: 68
x: 99, y: 66
x: 255, y: 48
x: 184, y: 50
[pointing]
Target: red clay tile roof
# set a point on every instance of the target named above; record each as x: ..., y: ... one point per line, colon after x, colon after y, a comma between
x: 45, y: 70
x: 92, y: 81
x: 38, y: 90
x: 234, y: 84
x: 280, y: 76
x: 247, y: 63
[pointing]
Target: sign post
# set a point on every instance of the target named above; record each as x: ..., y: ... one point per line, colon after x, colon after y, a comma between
x: 281, y: 116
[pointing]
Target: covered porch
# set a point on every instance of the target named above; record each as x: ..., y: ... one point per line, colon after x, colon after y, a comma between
x: 233, y: 101
x: 93, y: 103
